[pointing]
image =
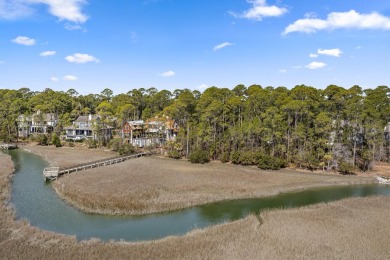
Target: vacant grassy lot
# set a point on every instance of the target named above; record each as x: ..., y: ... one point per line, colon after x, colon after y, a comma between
x: 153, y: 184
x: 348, y: 229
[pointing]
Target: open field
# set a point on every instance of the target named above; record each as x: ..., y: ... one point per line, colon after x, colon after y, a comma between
x: 349, y: 229
x: 154, y: 184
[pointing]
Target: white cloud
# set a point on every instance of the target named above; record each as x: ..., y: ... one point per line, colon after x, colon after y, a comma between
x: 54, y: 79
x: 203, y: 86
x: 339, y: 20
x: 316, y: 65
x: 24, y: 40
x: 282, y: 71
x: 12, y: 9
x: 296, y: 67
x: 47, y: 53
x: 331, y: 52
x: 81, y: 58
x: 169, y: 73
x: 2, y: 62
x: 73, y: 27
x: 260, y: 10
x: 70, y: 78
x: 221, y: 46
x: 313, y: 55
x: 69, y: 10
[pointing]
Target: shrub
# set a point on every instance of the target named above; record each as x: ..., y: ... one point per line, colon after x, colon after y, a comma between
x: 115, y: 144
x: 123, y: 149
x: 199, y: 156
x: 249, y: 158
x: 42, y: 139
x: 267, y: 162
x: 92, y: 144
x: 225, y: 157
x: 126, y: 149
x: 236, y: 157
x: 55, y: 140
x: 345, y: 168
x: 174, y: 154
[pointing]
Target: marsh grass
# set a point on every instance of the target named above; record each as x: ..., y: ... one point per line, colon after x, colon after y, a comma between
x: 153, y: 184
x: 356, y: 228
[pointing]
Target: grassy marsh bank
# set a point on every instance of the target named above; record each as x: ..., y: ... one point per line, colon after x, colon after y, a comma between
x: 153, y: 184
x: 347, y: 229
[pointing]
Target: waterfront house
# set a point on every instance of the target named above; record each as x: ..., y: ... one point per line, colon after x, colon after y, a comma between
x: 154, y: 131
x: 87, y: 127
x: 43, y: 123
x: 24, y: 126
x: 38, y: 123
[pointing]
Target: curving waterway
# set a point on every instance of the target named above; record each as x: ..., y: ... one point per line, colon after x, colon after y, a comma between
x: 36, y: 201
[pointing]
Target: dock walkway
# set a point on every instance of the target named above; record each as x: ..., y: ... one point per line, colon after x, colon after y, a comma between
x: 51, y: 173
x: 8, y: 146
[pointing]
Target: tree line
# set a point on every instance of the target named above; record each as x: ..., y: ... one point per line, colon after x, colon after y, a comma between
x: 332, y: 128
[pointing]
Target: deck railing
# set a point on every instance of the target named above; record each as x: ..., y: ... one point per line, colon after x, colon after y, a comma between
x: 94, y: 164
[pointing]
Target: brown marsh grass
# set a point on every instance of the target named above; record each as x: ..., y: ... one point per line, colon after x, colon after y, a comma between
x: 153, y: 184
x: 69, y: 156
x: 349, y: 229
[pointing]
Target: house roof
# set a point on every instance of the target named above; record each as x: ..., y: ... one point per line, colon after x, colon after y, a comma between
x: 86, y: 119
x: 81, y: 119
x: 136, y: 122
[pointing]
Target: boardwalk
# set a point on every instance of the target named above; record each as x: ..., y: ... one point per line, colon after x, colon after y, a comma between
x: 8, y: 146
x: 51, y: 173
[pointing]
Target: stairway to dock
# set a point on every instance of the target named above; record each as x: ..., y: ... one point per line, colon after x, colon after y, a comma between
x: 52, y: 173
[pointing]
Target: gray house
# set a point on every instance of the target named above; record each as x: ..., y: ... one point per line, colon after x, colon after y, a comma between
x: 86, y: 127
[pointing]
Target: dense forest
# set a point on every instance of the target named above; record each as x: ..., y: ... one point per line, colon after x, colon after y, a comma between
x: 333, y: 128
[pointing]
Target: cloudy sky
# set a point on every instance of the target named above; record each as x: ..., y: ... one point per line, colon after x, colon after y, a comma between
x: 170, y: 44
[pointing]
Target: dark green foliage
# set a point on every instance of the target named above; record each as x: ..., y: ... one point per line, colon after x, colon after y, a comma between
x: 267, y: 162
x: 199, y: 156
x: 42, y: 139
x: 249, y: 158
x: 55, y: 140
x: 345, y: 168
x: 225, y: 157
x: 236, y: 157
x: 174, y: 154
x: 126, y: 149
x: 120, y: 147
x: 115, y: 144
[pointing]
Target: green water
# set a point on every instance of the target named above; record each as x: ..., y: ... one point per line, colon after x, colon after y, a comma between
x: 36, y: 201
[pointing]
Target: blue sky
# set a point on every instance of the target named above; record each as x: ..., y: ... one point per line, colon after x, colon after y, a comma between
x: 175, y: 44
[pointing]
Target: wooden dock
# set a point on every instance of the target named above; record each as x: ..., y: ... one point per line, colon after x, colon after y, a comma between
x: 52, y: 173
x: 8, y: 146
